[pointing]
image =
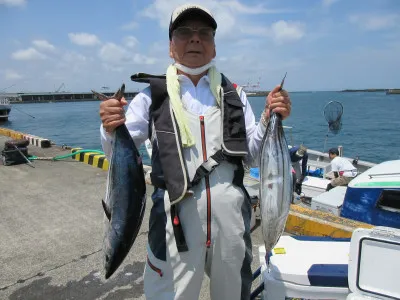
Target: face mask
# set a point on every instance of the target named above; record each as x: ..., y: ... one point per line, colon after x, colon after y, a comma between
x: 195, y: 71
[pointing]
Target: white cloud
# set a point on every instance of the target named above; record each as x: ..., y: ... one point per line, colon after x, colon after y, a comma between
x: 12, y: 75
x: 73, y: 62
x: 130, y: 26
x: 130, y: 42
x: 251, y: 9
x: 114, y: 54
x: 328, y: 3
x: 283, y: 31
x: 225, y: 12
x: 84, y: 39
x: 142, y: 59
x: 13, y: 2
x: 234, y: 18
x: 43, y: 45
x: 159, y: 48
x: 28, y: 54
x: 73, y: 57
x: 161, y: 10
x: 375, y: 22
x: 115, y: 57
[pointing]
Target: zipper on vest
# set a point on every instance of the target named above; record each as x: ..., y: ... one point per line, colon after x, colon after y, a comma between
x: 207, y: 181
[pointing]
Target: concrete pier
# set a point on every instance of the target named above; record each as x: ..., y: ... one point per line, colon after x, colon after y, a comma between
x: 51, y: 233
x: 51, y: 228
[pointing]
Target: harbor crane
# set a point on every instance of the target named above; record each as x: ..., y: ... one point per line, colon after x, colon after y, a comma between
x: 248, y: 85
x: 60, y: 87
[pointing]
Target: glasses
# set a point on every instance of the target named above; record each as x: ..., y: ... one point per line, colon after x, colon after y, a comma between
x: 185, y: 33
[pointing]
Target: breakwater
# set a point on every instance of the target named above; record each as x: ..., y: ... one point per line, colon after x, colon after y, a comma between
x: 57, y: 97
x: 364, y: 90
x: 387, y: 91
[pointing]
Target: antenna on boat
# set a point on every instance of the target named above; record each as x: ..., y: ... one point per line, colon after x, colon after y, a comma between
x: 333, y: 112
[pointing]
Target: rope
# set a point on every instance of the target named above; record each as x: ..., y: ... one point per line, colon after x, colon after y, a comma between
x: 60, y: 157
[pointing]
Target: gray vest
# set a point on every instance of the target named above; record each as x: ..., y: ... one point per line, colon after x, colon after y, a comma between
x: 168, y: 166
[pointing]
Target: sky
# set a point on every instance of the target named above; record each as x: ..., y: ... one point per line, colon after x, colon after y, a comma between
x: 78, y: 45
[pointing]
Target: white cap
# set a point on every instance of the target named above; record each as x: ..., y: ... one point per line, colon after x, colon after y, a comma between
x: 188, y: 10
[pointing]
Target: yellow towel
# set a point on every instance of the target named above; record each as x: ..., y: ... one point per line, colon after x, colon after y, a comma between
x: 174, y: 93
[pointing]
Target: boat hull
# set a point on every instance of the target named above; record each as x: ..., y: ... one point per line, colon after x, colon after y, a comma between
x: 5, y: 109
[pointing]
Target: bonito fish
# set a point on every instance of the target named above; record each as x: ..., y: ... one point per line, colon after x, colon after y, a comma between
x: 125, y: 200
x: 276, y: 182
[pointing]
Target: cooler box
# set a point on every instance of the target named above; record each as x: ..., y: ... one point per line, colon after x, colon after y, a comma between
x: 374, y: 264
x: 314, y: 186
x: 306, y: 268
x: 331, y: 201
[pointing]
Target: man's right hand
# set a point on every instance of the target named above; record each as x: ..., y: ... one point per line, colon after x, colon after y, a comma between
x: 112, y: 113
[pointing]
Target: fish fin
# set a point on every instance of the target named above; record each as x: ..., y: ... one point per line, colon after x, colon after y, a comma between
x: 100, y: 96
x: 120, y: 93
x: 106, y: 210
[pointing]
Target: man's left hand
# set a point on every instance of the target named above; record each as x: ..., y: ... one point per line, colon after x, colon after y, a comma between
x: 278, y: 102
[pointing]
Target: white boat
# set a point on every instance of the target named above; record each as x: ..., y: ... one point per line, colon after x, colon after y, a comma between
x: 5, y: 108
x: 303, y: 267
x: 372, y: 197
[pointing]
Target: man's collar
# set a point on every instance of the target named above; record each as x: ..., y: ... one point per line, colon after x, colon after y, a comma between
x: 184, y: 78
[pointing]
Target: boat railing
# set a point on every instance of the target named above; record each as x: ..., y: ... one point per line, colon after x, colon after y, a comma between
x: 4, y: 101
x: 382, y: 174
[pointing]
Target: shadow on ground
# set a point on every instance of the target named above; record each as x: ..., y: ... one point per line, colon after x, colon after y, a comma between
x: 127, y: 283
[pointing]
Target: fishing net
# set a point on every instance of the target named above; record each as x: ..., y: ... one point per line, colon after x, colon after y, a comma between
x: 333, y: 112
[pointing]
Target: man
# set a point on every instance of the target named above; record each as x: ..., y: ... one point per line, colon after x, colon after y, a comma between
x: 342, y: 169
x: 200, y: 219
x: 298, y: 153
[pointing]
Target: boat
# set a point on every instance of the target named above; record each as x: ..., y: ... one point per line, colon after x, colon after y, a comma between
x: 5, y: 108
x: 307, y: 267
x: 372, y: 197
x: 318, y: 165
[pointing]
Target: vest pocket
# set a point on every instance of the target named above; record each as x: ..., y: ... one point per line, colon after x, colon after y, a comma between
x: 235, y: 127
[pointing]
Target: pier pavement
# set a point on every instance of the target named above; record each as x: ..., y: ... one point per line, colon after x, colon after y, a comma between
x: 51, y: 233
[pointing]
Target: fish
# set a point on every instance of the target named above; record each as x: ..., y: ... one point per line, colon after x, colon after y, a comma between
x: 276, y: 182
x: 125, y: 199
